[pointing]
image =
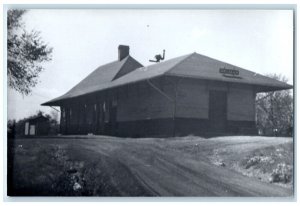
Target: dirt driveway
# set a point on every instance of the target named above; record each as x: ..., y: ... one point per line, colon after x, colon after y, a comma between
x: 109, y: 166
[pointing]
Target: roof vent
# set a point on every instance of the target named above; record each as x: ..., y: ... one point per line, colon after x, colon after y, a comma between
x: 123, y: 51
x: 158, y: 57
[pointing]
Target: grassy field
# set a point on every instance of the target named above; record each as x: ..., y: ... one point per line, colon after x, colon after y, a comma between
x: 188, y: 166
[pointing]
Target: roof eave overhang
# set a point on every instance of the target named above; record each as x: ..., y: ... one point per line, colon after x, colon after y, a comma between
x: 52, y: 104
x: 61, y: 101
x: 259, y: 87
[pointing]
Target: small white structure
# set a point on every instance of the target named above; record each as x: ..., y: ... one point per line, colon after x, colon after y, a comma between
x: 27, y: 128
x: 32, y: 130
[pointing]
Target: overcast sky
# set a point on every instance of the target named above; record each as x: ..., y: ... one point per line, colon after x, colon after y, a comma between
x: 82, y: 40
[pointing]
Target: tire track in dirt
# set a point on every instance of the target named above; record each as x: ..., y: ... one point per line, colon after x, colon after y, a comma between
x: 165, y: 172
x: 195, y: 182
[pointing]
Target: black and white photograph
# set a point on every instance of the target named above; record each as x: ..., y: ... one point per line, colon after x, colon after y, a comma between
x: 145, y: 102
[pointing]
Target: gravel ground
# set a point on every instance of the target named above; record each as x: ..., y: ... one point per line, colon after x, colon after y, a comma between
x: 110, y: 166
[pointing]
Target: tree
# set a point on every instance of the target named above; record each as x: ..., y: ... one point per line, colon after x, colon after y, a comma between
x: 11, y: 128
x: 275, y: 110
x: 54, y: 115
x: 25, y: 53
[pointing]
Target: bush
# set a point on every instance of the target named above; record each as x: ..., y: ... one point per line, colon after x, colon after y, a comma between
x: 282, y: 173
x: 256, y: 160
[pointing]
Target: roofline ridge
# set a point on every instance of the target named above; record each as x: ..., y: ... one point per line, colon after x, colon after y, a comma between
x: 180, y: 62
x: 242, y: 68
x: 225, y: 62
x: 127, y: 58
x: 99, y: 67
x: 123, y: 61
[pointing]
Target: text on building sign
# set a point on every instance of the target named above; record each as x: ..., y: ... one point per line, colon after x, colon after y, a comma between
x: 232, y: 72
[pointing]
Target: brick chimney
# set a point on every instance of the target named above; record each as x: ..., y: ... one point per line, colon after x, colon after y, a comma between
x: 123, y: 51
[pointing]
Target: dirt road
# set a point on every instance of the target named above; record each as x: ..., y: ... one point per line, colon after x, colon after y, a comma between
x: 160, y: 167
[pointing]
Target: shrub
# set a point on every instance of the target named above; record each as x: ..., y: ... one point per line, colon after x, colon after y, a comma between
x: 256, y: 160
x: 282, y: 173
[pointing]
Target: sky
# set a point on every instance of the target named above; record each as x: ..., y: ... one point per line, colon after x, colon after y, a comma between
x: 82, y: 40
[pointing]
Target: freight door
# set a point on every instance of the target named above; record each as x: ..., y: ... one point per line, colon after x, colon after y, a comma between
x: 217, y: 111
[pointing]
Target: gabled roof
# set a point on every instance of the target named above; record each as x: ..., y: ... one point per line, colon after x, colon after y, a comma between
x: 192, y: 66
x: 100, y: 78
x: 203, y: 67
x: 37, y: 118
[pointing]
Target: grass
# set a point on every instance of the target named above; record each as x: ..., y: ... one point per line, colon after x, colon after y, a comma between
x: 62, y: 168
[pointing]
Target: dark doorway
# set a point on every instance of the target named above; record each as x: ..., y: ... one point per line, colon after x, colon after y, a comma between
x: 217, y: 111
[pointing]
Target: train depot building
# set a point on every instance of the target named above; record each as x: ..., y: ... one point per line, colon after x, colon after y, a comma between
x: 190, y: 94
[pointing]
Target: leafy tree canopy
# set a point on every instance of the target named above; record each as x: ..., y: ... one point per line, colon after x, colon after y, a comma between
x: 275, y: 110
x: 25, y: 53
